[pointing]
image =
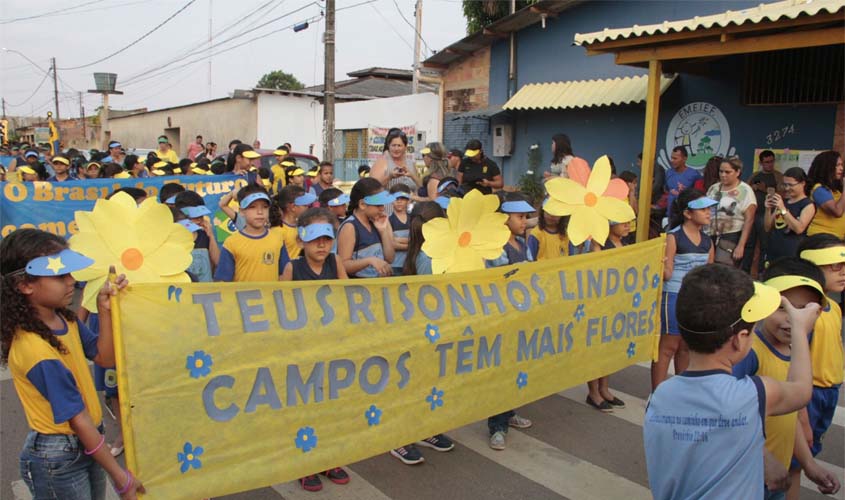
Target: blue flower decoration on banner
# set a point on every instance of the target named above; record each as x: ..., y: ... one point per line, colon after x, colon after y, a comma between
x: 521, y: 380
x: 373, y: 415
x: 579, y: 312
x: 637, y: 299
x: 199, y: 364
x: 189, y: 457
x: 655, y: 281
x: 432, y: 333
x: 306, y: 439
x: 435, y: 399
x: 632, y: 349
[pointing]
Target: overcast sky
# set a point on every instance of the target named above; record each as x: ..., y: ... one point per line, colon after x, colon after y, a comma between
x: 368, y: 35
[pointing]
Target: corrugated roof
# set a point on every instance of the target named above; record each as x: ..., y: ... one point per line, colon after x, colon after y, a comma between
x: 584, y: 93
x: 788, y: 9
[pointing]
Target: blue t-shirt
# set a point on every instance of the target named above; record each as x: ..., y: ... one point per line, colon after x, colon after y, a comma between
x: 688, y: 256
x: 704, y: 437
x: 677, y: 182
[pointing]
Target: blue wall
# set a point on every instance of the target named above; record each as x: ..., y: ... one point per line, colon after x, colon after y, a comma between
x: 548, y: 56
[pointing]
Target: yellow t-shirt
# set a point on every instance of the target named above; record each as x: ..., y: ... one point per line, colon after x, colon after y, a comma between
x: 278, y: 178
x: 780, y: 430
x: 826, y: 352
x: 170, y: 156
x: 290, y: 241
x: 548, y: 245
x: 823, y: 222
x: 252, y: 258
x: 54, y: 387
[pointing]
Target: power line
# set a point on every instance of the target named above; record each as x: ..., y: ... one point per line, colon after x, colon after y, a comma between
x: 145, y: 35
x: 33, y: 93
x: 400, y: 35
x: 355, y: 5
x: 409, y: 23
x: 46, y: 14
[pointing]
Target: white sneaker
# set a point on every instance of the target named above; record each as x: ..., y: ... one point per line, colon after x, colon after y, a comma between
x: 518, y: 422
x: 497, y: 440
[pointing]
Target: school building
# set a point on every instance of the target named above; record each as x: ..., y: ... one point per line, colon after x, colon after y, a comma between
x: 755, y: 76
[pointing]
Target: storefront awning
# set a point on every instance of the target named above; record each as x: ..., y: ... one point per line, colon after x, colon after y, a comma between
x: 584, y: 93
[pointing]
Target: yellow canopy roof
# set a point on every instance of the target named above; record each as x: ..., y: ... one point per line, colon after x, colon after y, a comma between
x: 584, y: 93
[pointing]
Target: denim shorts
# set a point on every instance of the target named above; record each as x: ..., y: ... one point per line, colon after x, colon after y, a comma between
x: 54, y: 466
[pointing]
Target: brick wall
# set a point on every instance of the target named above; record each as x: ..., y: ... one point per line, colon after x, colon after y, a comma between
x: 467, y: 83
x: 839, y: 130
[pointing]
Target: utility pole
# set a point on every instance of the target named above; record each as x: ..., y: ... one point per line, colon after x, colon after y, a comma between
x: 415, y: 83
x: 55, y: 87
x: 328, y: 85
x: 82, y: 117
x: 4, y: 107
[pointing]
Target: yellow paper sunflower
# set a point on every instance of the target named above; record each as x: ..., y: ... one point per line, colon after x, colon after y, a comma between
x: 591, y: 199
x: 472, y: 232
x: 141, y: 241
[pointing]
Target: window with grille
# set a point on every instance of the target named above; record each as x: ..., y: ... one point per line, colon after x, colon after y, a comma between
x: 797, y: 76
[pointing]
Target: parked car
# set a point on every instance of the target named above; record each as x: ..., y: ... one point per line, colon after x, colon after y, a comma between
x: 304, y: 161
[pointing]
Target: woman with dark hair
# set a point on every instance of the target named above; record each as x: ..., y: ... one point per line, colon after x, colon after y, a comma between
x: 711, y: 172
x: 734, y: 218
x: 393, y: 168
x: 826, y: 179
x: 562, y: 156
x: 786, y: 220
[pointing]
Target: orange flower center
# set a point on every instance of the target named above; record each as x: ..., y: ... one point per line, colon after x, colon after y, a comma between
x: 464, y: 239
x: 132, y: 259
x: 590, y: 199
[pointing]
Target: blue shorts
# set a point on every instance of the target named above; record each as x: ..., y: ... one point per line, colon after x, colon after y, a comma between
x: 820, y: 410
x: 669, y: 322
x: 105, y: 379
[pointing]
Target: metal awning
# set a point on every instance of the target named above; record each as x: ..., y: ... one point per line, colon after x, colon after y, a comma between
x: 584, y: 93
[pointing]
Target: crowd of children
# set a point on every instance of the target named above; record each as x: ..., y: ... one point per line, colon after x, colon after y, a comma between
x: 761, y: 356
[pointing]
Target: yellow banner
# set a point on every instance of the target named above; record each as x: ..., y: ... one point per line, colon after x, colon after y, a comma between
x: 236, y: 386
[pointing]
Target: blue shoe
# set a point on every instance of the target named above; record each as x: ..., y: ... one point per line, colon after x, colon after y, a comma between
x: 438, y: 442
x: 408, y: 455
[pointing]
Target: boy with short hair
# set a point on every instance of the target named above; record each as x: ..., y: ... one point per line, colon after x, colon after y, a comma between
x: 256, y: 252
x: 703, y: 429
x: 800, y: 282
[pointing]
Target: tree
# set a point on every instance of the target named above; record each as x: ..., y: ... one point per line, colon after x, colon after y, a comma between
x: 279, y: 80
x: 481, y: 13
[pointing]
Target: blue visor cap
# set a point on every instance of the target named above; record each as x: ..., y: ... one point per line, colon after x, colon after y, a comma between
x: 305, y: 200
x: 339, y: 201
x: 517, y: 207
x: 380, y: 198
x: 30, y: 153
x: 313, y: 231
x: 190, y: 226
x: 114, y: 144
x: 195, y: 212
x: 443, y: 201
x: 249, y: 200
x: 58, y: 264
x: 171, y: 200
x: 443, y: 186
x: 401, y: 194
x: 703, y: 202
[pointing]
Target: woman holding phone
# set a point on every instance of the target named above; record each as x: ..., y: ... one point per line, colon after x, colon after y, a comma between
x: 393, y: 168
x: 786, y: 220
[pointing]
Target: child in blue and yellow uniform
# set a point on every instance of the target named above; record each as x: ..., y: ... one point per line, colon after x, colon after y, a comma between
x: 315, y: 237
x: 687, y: 247
x: 549, y: 239
x: 827, y: 252
x: 399, y: 224
x: 255, y: 253
x: 798, y: 281
x: 515, y: 251
x: 47, y: 350
x: 703, y: 429
x: 365, y: 239
x: 293, y: 201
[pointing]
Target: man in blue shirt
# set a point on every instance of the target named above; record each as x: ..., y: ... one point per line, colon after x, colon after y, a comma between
x: 679, y: 177
x: 116, y: 154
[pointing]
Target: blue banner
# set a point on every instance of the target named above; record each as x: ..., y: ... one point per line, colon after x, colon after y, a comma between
x: 50, y: 206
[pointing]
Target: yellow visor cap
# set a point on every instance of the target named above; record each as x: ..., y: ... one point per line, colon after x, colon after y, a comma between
x: 27, y: 170
x: 762, y: 304
x: 825, y: 256
x: 425, y: 151
x: 783, y: 283
x: 471, y: 153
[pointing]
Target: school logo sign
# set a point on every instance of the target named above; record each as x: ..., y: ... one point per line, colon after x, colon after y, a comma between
x: 701, y: 128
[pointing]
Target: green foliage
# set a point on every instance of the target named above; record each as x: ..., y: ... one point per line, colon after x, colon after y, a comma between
x: 480, y: 13
x: 279, y: 80
x: 530, y: 183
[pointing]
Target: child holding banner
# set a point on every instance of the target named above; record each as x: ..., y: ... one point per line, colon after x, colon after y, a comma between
x: 515, y: 251
x: 365, y: 240
x: 315, y: 238
x: 47, y: 349
x: 703, y: 429
x: 687, y: 247
x: 255, y: 253
x: 206, y: 253
x: 549, y: 240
